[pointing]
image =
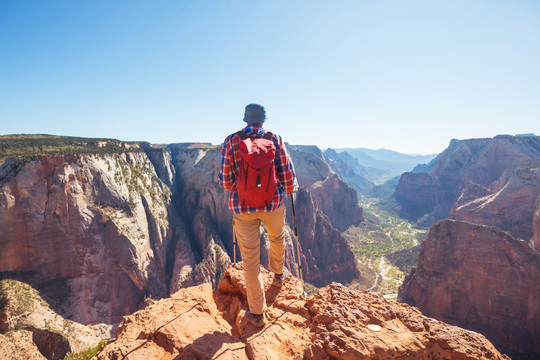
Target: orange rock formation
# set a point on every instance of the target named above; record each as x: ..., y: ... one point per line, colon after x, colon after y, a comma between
x: 335, y: 323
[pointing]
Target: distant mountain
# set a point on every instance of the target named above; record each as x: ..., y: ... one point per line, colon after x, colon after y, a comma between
x: 381, y: 165
x: 349, y: 170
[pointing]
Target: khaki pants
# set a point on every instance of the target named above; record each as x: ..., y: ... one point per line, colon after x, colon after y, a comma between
x: 247, y: 228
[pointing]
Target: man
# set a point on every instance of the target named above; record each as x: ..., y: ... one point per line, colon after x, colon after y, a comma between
x: 247, y: 220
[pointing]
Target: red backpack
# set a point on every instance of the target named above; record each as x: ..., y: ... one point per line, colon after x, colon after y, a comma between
x: 256, y: 180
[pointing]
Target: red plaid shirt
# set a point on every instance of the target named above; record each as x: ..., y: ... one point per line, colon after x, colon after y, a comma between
x: 227, y: 177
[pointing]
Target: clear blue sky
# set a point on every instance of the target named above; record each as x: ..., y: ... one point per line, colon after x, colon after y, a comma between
x: 402, y: 75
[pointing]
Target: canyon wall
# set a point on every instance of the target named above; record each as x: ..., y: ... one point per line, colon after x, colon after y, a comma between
x: 481, y: 272
x: 480, y: 278
x: 429, y: 195
x: 96, y: 228
x: 509, y: 203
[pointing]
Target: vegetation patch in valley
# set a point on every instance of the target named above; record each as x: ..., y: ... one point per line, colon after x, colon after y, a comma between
x: 385, y: 246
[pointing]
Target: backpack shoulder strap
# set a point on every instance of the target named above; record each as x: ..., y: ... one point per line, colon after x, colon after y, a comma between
x: 242, y: 134
x: 268, y: 135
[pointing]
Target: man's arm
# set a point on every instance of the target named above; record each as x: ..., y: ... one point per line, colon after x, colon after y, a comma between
x: 227, y: 179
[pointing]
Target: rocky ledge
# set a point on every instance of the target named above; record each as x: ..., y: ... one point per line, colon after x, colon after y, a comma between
x: 335, y: 323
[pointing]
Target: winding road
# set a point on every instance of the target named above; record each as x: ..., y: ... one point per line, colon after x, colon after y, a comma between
x: 383, y: 270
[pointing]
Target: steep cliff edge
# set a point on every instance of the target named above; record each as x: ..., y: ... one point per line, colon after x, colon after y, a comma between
x: 428, y: 196
x: 335, y: 323
x: 480, y: 278
x: 94, y: 227
x: 333, y: 196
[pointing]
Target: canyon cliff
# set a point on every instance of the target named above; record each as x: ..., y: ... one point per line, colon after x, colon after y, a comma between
x: 480, y: 278
x: 95, y: 228
x: 98, y: 233
x: 509, y: 203
x: 429, y: 195
x: 334, y: 323
x: 483, y: 271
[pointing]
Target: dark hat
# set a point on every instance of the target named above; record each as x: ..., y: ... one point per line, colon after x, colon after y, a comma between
x: 254, y: 114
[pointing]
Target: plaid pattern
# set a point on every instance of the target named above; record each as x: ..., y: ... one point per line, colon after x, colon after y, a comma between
x: 228, y: 171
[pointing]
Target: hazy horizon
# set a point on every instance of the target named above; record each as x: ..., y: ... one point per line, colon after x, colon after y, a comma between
x: 406, y: 76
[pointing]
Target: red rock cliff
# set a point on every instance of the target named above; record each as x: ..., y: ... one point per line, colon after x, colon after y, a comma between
x: 433, y: 192
x: 96, y: 227
x: 510, y: 206
x: 480, y: 278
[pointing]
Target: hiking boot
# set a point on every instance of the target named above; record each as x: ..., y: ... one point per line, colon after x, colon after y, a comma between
x: 257, y: 320
x: 279, y: 279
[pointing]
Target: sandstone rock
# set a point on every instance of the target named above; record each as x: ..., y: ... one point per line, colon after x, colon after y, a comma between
x: 338, y: 201
x: 318, y: 238
x: 481, y: 161
x: 480, y: 278
x: 419, y: 194
x: 203, y: 205
x: 95, y: 229
x: 23, y: 307
x: 18, y: 345
x: 333, y: 196
x: 101, y: 235
x: 162, y: 162
x: 309, y: 166
x: 187, y: 324
x: 333, y: 324
x: 511, y: 208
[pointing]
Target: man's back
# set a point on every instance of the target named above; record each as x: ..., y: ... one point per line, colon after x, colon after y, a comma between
x: 247, y: 215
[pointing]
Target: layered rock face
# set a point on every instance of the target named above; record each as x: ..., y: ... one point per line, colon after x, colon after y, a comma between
x: 432, y: 193
x: 333, y: 196
x: 483, y: 279
x: 510, y: 205
x: 202, y: 204
x: 335, y: 323
x: 318, y: 239
x: 94, y: 228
